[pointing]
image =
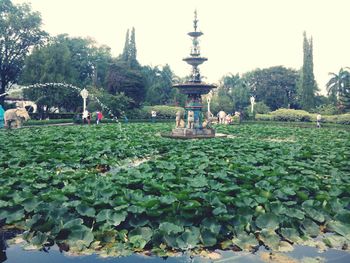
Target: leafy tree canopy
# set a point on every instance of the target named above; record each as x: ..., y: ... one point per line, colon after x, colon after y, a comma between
x: 275, y: 86
x: 20, y: 30
x: 77, y: 61
x: 338, y: 88
x: 159, y: 82
x: 307, y: 86
x: 122, y: 79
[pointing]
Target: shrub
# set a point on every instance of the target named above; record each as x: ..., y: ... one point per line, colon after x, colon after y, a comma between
x: 326, y: 109
x: 53, y: 116
x: 343, y: 119
x: 302, y: 116
x: 46, y: 122
x: 338, y: 119
x: 263, y: 117
x: 290, y: 115
x: 261, y: 108
x: 163, y: 112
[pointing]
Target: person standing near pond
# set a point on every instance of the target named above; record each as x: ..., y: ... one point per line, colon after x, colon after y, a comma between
x: 89, y: 118
x: 318, y: 120
x: 99, y: 117
x: 154, y: 115
x: 85, y: 116
x: 2, y: 113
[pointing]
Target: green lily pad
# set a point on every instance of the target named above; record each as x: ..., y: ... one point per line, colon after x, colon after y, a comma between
x: 30, y: 204
x: 340, y: 228
x: 170, y: 228
x: 290, y: 234
x: 39, y: 239
x: 336, y: 241
x: 188, y: 239
x: 267, y: 221
x: 245, y: 241
x: 12, y: 215
x: 270, y: 238
x: 112, y: 217
x: 310, y: 227
x: 82, y: 234
x: 85, y: 210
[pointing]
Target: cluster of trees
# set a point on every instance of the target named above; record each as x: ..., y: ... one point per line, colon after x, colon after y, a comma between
x: 28, y: 55
x: 19, y: 33
x: 338, y: 88
x: 280, y: 87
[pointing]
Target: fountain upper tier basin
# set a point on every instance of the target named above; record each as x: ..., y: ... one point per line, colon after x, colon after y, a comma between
x: 195, y: 34
x: 195, y: 61
x: 199, y: 88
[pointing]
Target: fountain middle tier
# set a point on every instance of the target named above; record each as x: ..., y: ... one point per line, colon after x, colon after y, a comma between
x: 195, y: 61
x: 198, y: 88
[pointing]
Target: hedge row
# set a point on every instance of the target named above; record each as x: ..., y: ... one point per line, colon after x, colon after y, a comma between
x: 163, y: 112
x: 50, y: 116
x: 46, y: 122
x: 301, y: 116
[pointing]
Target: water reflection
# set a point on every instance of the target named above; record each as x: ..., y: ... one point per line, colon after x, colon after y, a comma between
x: 16, y: 254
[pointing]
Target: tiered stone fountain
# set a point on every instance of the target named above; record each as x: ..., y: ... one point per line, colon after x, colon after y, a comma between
x: 195, y: 125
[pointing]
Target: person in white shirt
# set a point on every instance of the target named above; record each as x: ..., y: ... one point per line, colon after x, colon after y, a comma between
x: 318, y: 120
x: 154, y: 115
x: 85, y: 116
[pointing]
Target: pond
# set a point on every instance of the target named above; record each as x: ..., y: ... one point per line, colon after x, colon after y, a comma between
x: 123, y: 189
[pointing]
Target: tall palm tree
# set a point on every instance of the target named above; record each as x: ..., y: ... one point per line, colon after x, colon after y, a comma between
x: 338, y: 86
x: 338, y: 82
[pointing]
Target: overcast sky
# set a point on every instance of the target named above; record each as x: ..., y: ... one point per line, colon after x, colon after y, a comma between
x: 239, y: 35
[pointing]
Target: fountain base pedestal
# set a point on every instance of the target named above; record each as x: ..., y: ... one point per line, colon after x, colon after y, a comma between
x: 185, y: 133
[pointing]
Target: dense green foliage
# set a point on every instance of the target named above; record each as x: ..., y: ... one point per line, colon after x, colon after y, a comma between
x: 122, y: 79
x: 232, y: 94
x: 159, y: 90
x: 307, y: 85
x: 19, y: 32
x: 274, y: 86
x: 118, y: 189
x: 302, y: 116
x: 338, y: 88
x: 77, y: 61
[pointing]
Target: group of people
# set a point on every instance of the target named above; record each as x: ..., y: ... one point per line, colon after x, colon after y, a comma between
x: 87, y: 117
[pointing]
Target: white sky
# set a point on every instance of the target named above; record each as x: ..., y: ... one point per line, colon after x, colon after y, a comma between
x: 239, y: 35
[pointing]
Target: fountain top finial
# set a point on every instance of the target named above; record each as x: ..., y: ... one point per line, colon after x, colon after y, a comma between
x: 195, y: 21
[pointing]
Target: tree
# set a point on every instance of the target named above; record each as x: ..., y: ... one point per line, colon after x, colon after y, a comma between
x: 101, y: 59
x: 110, y: 105
x: 19, y: 33
x: 338, y: 88
x: 122, y: 79
x: 75, y: 61
x: 159, y: 83
x: 129, y: 52
x: 233, y: 87
x: 307, y: 86
x: 51, y: 63
x: 54, y: 96
x: 125, y: 55
x: 274, y: 86
x: 133, y: 51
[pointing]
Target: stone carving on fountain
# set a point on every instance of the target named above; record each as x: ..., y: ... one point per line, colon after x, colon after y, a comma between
x: 194, y: 89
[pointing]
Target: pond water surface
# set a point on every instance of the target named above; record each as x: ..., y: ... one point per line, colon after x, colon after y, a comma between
x: 16, y: 254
